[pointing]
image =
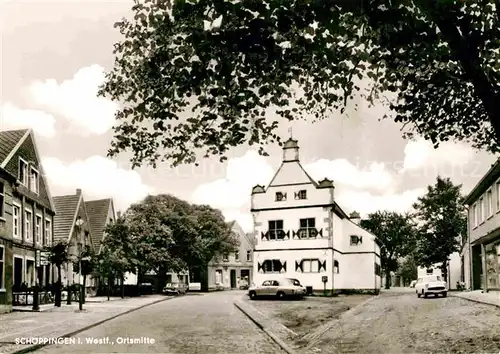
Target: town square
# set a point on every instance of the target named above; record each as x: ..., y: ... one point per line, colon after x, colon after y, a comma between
x: 250, y: 176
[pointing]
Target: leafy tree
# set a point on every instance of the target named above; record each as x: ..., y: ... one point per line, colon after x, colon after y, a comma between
x: 226, y: 65
x: 171, y: 235
x: 442, y: 223
x: 396, y: 232
x: 58, y: 255
x: 407, y: 269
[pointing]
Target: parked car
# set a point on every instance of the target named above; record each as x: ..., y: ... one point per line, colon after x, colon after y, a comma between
x: 280, y: 288
x: 413, y: 283
x: 431, y: 284
x: 175, y: 289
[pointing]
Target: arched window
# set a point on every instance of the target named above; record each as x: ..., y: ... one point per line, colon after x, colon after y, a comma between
x: 335, y: 266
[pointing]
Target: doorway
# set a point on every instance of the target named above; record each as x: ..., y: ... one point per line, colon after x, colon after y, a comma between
x: 18, y: 273
x: 233, y: 278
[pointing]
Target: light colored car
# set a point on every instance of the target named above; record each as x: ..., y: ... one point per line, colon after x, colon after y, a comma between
x: 431, y: 284
x: 413, y: 283
x: 280, y: 288
x: 175, y: 289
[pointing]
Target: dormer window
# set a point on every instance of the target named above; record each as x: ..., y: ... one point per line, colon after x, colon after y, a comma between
x: 280, y: 196
x: 23, y: 172
x: 356, y: 240
x: 301, y: 194
x: 34, y: 180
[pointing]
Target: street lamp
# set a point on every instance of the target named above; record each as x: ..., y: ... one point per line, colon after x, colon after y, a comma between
x: 79, y: 223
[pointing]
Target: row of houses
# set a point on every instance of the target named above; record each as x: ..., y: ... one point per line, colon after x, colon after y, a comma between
x: 31, y: 219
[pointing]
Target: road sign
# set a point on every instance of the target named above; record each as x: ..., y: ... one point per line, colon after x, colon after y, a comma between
x: 324, y: 278
x: 44, y: 258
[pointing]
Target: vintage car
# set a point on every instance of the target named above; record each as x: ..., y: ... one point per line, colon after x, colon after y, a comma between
x: 280, y: 288
x: 431, y: 284
x: 175, y: 289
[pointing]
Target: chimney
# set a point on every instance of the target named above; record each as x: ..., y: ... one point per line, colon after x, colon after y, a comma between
x: 354, y: 217
x: 290, y: 151
x: 78, y: 191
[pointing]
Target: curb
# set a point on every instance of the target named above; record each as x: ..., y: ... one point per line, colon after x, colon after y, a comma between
x: 271, y: 335
x: 95, y: 324
x: 474, y: 300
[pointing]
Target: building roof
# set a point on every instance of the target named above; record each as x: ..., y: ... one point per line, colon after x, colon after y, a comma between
x: 97, y: 212
x: 488, y: 179
x: 291, y: 144
x: 66, y: 212
x: 10, y: 140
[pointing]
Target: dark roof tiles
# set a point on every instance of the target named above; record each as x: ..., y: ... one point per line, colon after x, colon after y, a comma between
x: 66, y: 207
x: 97, y: 211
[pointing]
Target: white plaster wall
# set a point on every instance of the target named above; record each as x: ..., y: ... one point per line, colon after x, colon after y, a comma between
x: 315, y: 196
x: 291, y: 222
x: 467, y: 267
x: 291, y: 256
x: 454, y: 270
x: 358, y: 271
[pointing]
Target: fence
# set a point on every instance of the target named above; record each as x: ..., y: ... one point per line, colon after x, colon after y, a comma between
x: 25, y: 298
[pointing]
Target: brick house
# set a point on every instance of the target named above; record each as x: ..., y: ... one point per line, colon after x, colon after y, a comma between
x: 26, y: 215
x: 71, y: 209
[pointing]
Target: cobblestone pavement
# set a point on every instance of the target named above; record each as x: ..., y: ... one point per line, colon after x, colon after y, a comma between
x: 186, y: 325
x: 62, y: 320
x: 402, y: 323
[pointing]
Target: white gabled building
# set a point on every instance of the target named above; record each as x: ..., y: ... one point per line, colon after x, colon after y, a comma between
x: 302, y: 233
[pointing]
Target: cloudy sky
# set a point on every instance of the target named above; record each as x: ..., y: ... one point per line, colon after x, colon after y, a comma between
x: 53, y: 58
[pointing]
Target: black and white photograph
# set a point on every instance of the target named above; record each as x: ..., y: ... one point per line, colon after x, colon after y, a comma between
x: 250, y: 176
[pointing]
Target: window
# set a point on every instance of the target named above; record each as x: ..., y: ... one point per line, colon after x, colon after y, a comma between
x: 34, y: 181
x: 302, y: 194
x: 48, y: 232
x: 489, y: 203
x: 356, y: 240
x: 16, y: 224
x: 273, y: 266
x: 280, y: 197
x: 225, y: 257
x: 38, y: 229
x: 497, y: 189
x: 249, y: 256
x: 336, y: 267
x: 473, y: 216
x: 276, y: 230
x: 23, y: 172
x: 377, y: 269
x: 481, y: 210
x: 307, y: 228
x: 476, y: 215
x: 2, y: 267
x: 310, y: 266
x: 2, y: 200
x: 28, y: 236
x: 236, y: 256
x: 429, y: 271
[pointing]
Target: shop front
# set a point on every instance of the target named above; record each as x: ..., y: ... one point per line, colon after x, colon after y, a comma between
x: 492, y: 264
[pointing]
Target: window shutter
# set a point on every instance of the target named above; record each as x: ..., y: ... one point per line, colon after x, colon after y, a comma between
x: 283, y: 266
x: 259, y: 267
x: 288, y: 235
x: 296, y: 195
x: 295, y: 234
x: 297, y: 266
x: 360, y: 239
x: 284, y: 196
x: 322, y: 266
x: 320, y: 232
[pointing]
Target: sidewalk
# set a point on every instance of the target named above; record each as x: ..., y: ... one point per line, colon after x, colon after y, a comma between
x: 64, y: 321
x: 490, y: 298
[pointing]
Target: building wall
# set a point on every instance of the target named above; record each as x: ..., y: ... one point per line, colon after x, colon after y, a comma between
x: 467, y: 267
x: 488, y: 221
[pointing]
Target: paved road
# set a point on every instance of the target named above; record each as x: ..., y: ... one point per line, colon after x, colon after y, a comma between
x: 402, y: 323
x: 186, y: 325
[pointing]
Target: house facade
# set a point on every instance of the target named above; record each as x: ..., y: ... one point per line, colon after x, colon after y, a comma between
x: 302, y: 233
x: 26, y: 216
x: 234, y: 269
x: 481, y: 255
x: 72, y: 227
x: 454, y: 271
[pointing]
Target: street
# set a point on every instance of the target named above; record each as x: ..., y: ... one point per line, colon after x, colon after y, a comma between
x: 190, y: 324
x: 402, y: 323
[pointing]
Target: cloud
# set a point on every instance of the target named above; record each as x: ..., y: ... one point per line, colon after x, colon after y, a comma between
x: 363, y: 189
x: 420, y: 155
x: 375, y: 176
x: 97, y: 177
x: 76, y: 100
x: 13, y: 117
